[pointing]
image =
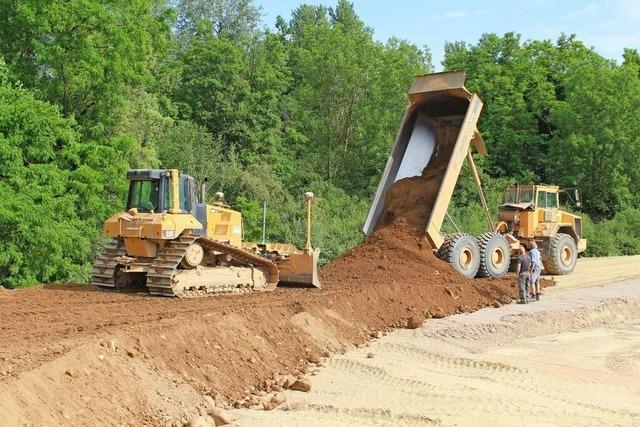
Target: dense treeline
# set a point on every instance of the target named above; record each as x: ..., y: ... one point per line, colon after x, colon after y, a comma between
x: 89, y: 89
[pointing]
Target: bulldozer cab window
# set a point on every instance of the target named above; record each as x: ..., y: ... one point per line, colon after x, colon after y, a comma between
x: 510, y: 196
x: 187, y: 194
x: 143, y: 195
x: 526, y: 196
x: 542, y: 199
x: 552, y: 200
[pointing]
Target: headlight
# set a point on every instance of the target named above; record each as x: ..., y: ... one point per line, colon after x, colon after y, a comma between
x: 168, y: 233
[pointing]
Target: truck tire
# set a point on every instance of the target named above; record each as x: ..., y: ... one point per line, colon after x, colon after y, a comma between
x: 462, y: 252
x: 494, y: 255
x: 561, y: 256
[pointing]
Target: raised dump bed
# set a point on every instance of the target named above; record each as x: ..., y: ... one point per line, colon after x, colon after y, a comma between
x: 433, y: 141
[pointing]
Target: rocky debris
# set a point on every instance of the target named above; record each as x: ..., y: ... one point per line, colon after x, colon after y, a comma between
x: 276, y: 400
x: 451, y: 293
x: 314, y: 358
x: 326, y: 354
x: 370, y: 355
x: 268, y: 405
x: 72, y: 373
x: 296, y: 405
x: 222, y: 417
x: 505, y: 299
x: 438, y: 313
x: 202, y: 421
x: 300, y: 385
x: 288, y: 381
x: 279, y: 380
x: 209, y: 402
x: 415, y: 321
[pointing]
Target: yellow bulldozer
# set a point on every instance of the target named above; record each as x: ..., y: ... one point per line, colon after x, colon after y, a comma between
x: 530, y: 212
x: 169, y: 240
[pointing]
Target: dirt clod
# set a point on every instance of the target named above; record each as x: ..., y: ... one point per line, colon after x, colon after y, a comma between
x: 222, y: 417
x: 415, y: 321
x: 202, y: 421
x: 505, y: 299
x: 314, y: 358
x: 301, y: 385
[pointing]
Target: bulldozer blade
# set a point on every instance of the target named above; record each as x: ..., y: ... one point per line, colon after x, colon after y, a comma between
x: 300, y: 269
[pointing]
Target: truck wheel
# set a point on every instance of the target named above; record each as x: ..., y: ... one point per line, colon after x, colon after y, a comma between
x: 462, y: 252
x: 561, y: 256
x: 494, y: 255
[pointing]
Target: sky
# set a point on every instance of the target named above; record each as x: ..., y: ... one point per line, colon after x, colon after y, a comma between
x: 606, y: 25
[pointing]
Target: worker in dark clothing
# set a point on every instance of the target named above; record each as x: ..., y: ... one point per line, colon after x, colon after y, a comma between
x: 523, y: 273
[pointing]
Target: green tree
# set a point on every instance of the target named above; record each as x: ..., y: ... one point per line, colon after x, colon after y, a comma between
x: 237, y: 20
x: 55, y: 190
x: 344, y: 102
x: 83, y: 55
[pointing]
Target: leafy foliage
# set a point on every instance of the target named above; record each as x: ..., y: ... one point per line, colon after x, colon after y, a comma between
x: 53, y: 196
x: 90, y: 88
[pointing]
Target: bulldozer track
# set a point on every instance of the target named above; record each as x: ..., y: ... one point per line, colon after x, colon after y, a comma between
x: 104, y: 267
x: 160, y: 278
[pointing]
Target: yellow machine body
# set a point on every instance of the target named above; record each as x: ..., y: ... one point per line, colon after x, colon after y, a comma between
x: 440, y: 100
x: 177, y: 245
x: 532, y: 212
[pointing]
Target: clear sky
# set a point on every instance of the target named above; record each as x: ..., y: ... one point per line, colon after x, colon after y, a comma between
x: 606, y: 25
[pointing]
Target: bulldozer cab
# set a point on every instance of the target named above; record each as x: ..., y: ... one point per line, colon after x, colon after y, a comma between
x: 161, y: 191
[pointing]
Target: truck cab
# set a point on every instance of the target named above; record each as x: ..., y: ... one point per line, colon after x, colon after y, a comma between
x: 533, y: 213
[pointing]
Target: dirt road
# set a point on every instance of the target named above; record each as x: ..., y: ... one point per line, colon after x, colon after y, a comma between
x: 71, y: 355
x: 571, y: 359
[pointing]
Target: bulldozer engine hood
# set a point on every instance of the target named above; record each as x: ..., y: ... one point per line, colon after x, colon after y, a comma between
x: 150, y: 225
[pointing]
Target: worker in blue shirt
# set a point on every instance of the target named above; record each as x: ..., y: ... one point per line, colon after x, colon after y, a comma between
x: 536, y: 269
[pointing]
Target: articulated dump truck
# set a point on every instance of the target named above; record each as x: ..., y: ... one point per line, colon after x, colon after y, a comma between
x: 530, y: 213
x: 174, y: 244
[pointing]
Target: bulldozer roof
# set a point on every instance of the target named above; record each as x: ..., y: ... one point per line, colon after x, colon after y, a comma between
x: 146, y: 174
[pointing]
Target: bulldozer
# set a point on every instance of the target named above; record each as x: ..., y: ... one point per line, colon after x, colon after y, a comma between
x: 174, y: 244
x: 530, y: 212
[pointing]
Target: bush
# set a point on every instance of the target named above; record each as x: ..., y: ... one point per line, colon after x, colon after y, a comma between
x: 617, y: 236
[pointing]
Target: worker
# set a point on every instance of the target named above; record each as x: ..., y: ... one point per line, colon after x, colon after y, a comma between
x: 536, y: 269
x: 523, y: 273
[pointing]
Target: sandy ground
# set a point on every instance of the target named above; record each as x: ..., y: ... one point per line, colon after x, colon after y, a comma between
x: 571, y: 359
